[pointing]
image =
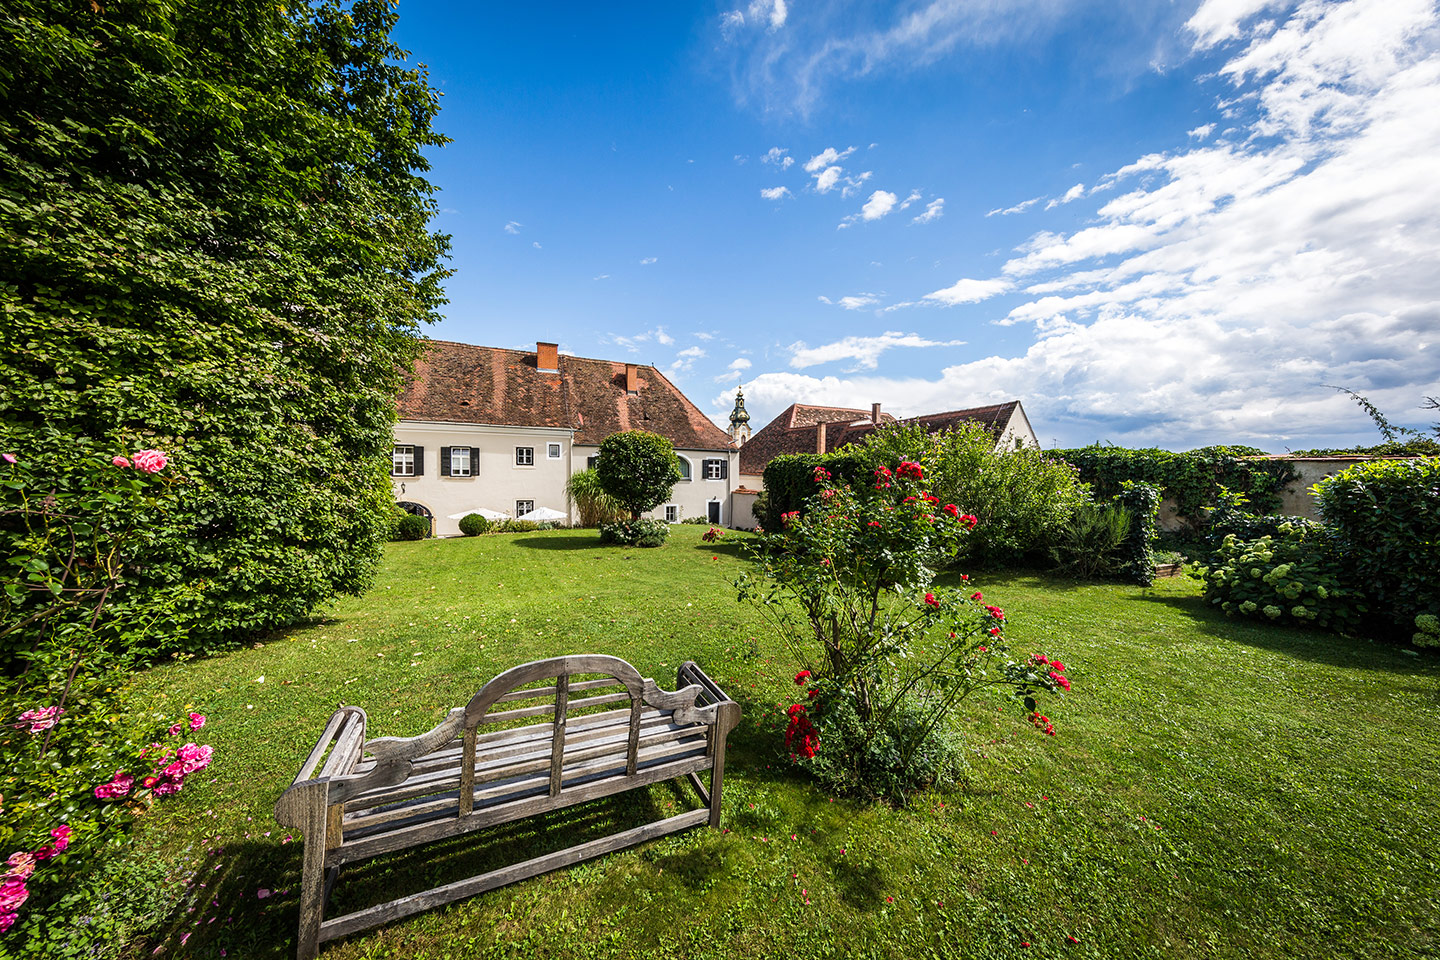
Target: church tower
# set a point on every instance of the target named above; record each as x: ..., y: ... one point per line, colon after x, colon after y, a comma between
x: 739, y: 421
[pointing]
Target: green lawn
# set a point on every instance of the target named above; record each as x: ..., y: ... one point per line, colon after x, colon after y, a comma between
x: 1217, y: 789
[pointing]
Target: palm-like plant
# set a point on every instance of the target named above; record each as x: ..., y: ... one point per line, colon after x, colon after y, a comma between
x: 594, y: 504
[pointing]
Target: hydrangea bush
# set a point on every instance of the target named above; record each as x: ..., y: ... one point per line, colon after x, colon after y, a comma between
x: 1296, y: 576
x: 885, y: 655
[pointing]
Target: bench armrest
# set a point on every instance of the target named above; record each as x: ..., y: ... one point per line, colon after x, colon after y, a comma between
x: 409, y: 748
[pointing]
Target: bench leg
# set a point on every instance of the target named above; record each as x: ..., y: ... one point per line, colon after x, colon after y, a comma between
x: 312, y: 899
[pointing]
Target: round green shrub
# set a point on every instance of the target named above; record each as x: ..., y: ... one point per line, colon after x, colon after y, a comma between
x: 473, y: 524
x: 413, y: 527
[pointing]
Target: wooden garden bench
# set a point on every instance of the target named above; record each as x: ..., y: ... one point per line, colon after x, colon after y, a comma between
x: 605, y: 730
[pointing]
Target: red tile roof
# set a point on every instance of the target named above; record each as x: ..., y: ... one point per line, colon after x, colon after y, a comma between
x: 795, y: 429
x: 461, y: 383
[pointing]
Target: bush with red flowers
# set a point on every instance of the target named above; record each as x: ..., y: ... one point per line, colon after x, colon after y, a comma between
x: 848, y: 584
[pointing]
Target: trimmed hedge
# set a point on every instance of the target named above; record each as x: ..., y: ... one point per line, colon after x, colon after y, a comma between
x: 1385, y: 516
x: 645, y: 532
x: 790, y: 480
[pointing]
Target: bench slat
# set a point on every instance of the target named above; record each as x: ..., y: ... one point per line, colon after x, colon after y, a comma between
x: 514, y: 808
x: 318, y: 751
x: 532, y: 692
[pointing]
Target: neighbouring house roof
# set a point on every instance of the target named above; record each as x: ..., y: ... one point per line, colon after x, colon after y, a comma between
x: 795, y: 429
x: 462, y: 383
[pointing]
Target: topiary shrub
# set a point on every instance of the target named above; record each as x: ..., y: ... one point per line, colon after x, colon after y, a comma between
x: 1296, y: 576
x: 645, y: 532
x: 521, y: 526
x: 474, y: 524
x: 637, y: 469
x: 1386, y: 519
x: 412, y: 527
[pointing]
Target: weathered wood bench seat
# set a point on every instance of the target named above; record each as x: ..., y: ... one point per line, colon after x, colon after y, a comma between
x: 567, y: 730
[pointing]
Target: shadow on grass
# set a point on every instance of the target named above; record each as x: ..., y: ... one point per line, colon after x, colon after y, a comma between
x: 722, y: 549
x: 1302, y: 643
x: 226, y: 911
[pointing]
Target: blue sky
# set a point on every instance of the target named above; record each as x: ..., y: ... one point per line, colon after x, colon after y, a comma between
x: 1153, y: 223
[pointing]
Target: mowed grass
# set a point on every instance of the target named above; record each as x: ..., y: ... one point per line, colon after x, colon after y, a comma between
x: 1218, y: 788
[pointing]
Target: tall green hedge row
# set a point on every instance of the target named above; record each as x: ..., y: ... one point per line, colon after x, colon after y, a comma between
x: 217, y: 244
x: 1193, y: 478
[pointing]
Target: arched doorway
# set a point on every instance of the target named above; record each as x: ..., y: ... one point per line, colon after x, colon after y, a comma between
x: 419, y: 510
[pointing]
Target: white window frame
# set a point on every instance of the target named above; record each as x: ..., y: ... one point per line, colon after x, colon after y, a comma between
x: 672, y: 513
x: 554, y: 451
x: 527, y: 459
x: 520, y: 513
x: 399, y: 462
x: 713, y: 466
x: 469, y: 467
x: 689, y: 468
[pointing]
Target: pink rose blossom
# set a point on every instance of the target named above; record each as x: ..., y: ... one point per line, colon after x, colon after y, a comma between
x: 197, y: 721
x: 39, y: 720
x: 61, y: 836
x: 150, y: 461
x: 45, y: 852
x: 8, y: 457
x: 117, y: 787
x: 7, y: 920
x: 21, y: 865
x: 175, y: 728
x: 120, y: 461
x: 195, y: 757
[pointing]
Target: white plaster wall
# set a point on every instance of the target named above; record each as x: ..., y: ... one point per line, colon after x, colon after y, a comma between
x: 497, y: 483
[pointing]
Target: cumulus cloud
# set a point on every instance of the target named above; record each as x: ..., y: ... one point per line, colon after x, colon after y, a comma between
x: 775, y: 193
x: 828, y: 157
x: 970, y: 291
x: 934, y: 210
x: 779, y: 157
x: 865, y: 351
x: 1201, y: 132
x: 880, y: 203
x: 685, y: 360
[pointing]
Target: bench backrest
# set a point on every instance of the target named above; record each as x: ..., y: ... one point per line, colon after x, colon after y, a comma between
x: 559, y: 688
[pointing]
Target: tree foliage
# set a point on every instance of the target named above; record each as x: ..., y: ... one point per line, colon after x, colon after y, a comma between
x: 638, y: 469
x: 216, y: 242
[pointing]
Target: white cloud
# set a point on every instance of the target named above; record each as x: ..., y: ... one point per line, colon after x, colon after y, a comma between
x: 1020, y: 207
x: 1218, y: 20
x: 738, y: 364
x: 685, y: 360
x: 535, y: 244
x: 513, y: 227
x: 852, y: 184
x: 1074, y: 193
x: 779, y: 157
x: 730, y: 22
x: 865, y: 351
x: 826, y: 179
x: 646, y: 261
x: 970, y: 291
x: 702, y: 335
x: 772, y: 12
x: 914, y: 196
x: 633, y: 343
x: 854, y: 302
x: 1201, y: 132
x: 603, y: 276
x: 880, y: 203
x: 775, y: 193
x: 826, y: 158
x: 934, y: 210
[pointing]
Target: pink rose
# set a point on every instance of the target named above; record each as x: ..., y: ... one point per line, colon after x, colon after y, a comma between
x: 150, y: 461
x: 175, y: 728
x: 7, y: 920
x: 120, y: 461
x: 166, y: 787
x: 21, y: 865
x: 8, y: 457
x: 194, y: 757
x: 196, y: 721
x: 45, y: 852
x: 39, y: 720
x: 12, y: 895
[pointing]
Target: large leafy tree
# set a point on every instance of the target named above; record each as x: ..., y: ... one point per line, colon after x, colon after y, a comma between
x: 215, y: 240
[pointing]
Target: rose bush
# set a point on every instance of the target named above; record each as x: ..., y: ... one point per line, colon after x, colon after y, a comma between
x: 848, y: 583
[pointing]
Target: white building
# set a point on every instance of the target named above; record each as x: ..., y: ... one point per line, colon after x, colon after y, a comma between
x: 503, y: 430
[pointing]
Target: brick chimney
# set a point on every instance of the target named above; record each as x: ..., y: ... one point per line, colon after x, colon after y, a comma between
x: 632, y: 379
x: 820, y: 437
x: 875, y: 414
x: 547, y: 357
